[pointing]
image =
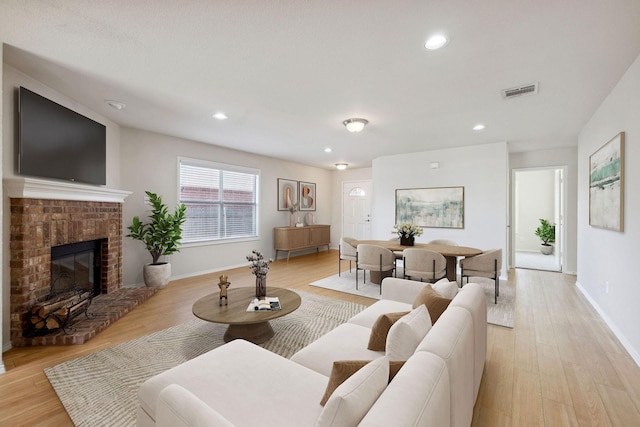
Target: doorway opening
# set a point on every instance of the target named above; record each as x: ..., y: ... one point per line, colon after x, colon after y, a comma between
x: 538, y: 193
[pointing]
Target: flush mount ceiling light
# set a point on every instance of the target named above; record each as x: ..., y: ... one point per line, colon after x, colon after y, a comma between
x: 436, y: 41
x: 341, y: 166
x: 220, y: 116
x: 479, y: 126
x: 327, y: 150
x: 115, y: 104
x: 355, y: 125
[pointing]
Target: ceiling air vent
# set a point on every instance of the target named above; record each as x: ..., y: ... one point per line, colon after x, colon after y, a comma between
x: 530, y: 89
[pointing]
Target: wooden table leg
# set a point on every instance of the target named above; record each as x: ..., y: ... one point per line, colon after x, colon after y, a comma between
x: 256, y: 333
x: 452, y: 274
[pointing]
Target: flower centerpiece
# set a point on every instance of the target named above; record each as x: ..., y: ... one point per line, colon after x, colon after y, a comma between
x: 259, y: 267
x: 407, y: 233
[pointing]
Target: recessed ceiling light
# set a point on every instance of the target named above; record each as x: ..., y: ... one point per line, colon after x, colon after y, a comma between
x: 436, y: 42
x: 479, y: 126
x: 220, y: 116
x: 341, y: 166
x: 327, y: 150
x: 115, y: 104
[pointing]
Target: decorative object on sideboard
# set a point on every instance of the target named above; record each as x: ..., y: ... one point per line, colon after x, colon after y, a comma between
x: 440, y: 207
x: 162, y: 235
x: 259, y: 267
x: 224, y: 285
x: 407, y: 233
x: 309, y: 218
x: 606, y: 185
x: 293, y: 208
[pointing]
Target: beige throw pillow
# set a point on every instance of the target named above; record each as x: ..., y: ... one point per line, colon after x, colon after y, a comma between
x: 343, y: 369
x: 445, y: 288
x: 351, y: 401
x: 380, y: 330
x: 434, y: 302
x: 405, y: 335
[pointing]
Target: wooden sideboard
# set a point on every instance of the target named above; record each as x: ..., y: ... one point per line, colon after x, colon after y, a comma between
x: 299, y: 238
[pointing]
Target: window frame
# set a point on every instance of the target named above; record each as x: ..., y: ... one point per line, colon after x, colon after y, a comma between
x: 223, y: 167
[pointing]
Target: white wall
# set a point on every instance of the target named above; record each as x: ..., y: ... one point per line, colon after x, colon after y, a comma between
x: 531, y: 204
x: 557, y: 158
x: 610, y: 256
x: 149, y: 162
x: 483, y: 172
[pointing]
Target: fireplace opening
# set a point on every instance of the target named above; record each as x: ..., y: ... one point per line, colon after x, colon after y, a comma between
x: 76, y: 267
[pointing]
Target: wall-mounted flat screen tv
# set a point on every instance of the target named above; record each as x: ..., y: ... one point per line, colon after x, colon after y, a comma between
x: 56, y: 142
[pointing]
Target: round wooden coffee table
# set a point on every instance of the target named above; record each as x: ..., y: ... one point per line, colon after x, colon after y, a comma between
x: 251, y: 326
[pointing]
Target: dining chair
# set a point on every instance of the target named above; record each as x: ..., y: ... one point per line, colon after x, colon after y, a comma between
x: 347, y: 251
x: 424, y: 264
x: 374, y: 258
x: 487, y: 264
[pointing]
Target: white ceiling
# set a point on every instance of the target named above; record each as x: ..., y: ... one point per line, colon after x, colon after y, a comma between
x: 288, y: 72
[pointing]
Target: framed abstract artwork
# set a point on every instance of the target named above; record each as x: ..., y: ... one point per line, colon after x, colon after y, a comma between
x: 287, y: 193
x: 307, y: 196
x: 441, y: 207
x: 606, y: 185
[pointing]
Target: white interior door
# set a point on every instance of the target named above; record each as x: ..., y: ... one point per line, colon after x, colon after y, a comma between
x: 356, y: 209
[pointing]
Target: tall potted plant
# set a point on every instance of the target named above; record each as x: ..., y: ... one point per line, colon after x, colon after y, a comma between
x: 547, y: 233
x: 161, y: 235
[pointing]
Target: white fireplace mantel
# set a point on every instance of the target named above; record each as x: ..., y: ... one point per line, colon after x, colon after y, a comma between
x: 31, y: 188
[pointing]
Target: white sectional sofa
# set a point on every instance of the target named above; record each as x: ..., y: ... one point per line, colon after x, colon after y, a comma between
x: 241, y: 384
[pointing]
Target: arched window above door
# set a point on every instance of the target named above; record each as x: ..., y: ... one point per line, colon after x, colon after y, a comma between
x: 357, y: 192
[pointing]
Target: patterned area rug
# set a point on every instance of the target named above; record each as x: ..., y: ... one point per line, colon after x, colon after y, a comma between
x: 100, y: 389
x: 501, y: 314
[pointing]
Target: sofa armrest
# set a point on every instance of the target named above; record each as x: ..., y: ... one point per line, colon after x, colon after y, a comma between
x: 400, y: 290
x: 178, y: 407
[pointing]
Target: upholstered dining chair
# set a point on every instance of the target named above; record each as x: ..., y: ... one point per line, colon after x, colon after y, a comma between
x: 424, y: 264
x: 347, y: 251
x: 374, y: 258
x: 487, y: 264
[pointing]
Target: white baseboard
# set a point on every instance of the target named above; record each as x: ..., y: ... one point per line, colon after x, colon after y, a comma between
x: 614, y: 328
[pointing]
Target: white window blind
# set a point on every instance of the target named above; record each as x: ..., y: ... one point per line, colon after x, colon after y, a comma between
x: 221, y: 200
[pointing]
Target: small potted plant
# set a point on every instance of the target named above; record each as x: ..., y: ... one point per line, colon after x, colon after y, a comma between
x: 161, y: 236
x: 407, y: 233
x: 547, y: 233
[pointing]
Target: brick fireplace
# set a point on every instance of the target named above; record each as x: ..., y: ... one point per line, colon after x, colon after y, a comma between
x: 40, y: 223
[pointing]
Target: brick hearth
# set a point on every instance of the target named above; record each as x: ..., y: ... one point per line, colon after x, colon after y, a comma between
x: 39, y: 224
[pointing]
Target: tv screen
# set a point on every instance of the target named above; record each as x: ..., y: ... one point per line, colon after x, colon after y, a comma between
x: 56, y: 142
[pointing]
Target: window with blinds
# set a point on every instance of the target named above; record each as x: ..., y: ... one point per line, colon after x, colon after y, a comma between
x: 221, y: 200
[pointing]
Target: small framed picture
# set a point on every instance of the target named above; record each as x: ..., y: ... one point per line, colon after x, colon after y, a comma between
x: 307, y: 196
x: 287, y: 193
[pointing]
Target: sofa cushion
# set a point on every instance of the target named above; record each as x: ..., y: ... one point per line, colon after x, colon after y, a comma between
x: 236, y: 378
x: 405, y: 335
x: 380, y: 330
x: 346, y: 342
x: 445, y: 288
x: 178, y: 407
x: 353, y: 398
x: 343, y: 369
x: 368, y: 316
x: 434, y: 302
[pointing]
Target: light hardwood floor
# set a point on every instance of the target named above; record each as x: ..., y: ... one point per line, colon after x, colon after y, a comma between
x: 560, y: 365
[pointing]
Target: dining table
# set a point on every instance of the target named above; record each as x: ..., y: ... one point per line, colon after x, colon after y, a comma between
x: 450, y: 252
